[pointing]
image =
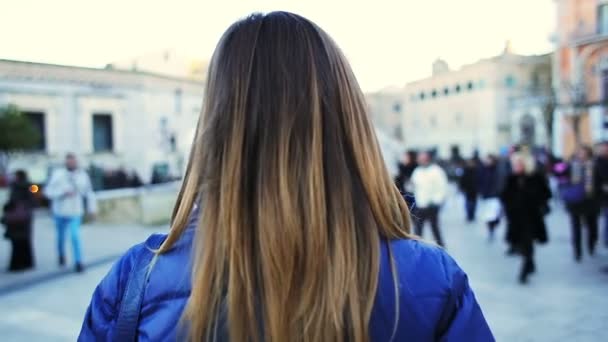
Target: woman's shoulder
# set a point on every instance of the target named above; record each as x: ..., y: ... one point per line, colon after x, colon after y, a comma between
x: 435, y: 301
x: 111, y: 286
x: 105, y: 302
x: 147, y: 248
x: 427, y: 268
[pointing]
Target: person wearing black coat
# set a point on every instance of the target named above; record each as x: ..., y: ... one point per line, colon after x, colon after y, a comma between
x: 17, y: 218
x: 601, y: 171
x: 585, y: 208
x: 469, y: 186
x: 489, y: 189
x: 524, y: 199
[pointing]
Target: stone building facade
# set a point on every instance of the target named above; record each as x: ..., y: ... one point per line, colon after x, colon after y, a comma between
x: 468, y: 110
x: 111, y: 118
x: 580, y: 73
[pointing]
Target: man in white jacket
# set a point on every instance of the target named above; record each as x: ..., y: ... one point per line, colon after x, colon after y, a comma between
x: 70, y: 191
x: 430, y: 185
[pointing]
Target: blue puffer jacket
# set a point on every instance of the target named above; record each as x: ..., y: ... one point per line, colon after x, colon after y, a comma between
x: 435, y: 300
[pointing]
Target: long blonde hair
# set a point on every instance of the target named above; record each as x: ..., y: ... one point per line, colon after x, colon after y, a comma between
x: 294, y: 192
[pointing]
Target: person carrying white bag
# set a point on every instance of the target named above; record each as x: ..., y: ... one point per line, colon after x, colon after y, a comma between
x: 491, y: 208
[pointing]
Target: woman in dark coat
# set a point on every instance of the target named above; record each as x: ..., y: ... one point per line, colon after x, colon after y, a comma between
x: 18, y: 221
x: 524, y: 198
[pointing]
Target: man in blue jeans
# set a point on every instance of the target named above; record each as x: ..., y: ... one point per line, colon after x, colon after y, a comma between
x: 70, y: 190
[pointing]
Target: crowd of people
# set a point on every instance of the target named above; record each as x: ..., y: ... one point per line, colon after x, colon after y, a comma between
x: 110, y: 179
x: 516, y: 187
x: 69, y: 193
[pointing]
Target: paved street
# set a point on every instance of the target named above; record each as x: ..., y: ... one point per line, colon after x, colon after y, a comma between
x: 564, y: 301
x: 101, y: 244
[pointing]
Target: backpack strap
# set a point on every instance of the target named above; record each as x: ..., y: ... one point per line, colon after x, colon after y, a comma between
x: 130, y: 306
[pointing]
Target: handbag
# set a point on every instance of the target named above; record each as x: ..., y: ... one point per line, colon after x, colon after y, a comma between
x: 17, y: 213
x: 572, y: 193
x: 132, y: 298
x: 491, y: 209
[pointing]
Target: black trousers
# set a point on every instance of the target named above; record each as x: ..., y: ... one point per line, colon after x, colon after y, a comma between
x: 591, y: 218
x: 470, y: 207
x: 430, y: 214
x: 22, y: 257
x: 526, y: 247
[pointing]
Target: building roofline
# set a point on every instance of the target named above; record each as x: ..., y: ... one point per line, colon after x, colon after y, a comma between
x: 468, y: 65
x: 107, y: 70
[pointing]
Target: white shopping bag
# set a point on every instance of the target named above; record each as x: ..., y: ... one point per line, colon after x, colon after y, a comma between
x: 491, y: 209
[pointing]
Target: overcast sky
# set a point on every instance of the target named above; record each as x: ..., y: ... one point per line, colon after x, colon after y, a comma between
x: 387, y: 42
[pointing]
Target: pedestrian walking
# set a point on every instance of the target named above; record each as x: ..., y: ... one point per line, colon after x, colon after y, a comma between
x: 430, y: 185
x: 294, y: 229
x: 469, y: 186
x: 602, y: 175
x: 72, y: 196
x: 582, y: 197
x: 525, y: 194
x: 18, y: 217
x: 406, y: 168
x: 491, y: 208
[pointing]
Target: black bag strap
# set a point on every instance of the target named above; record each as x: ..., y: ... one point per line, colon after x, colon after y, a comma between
x: 130, y: 306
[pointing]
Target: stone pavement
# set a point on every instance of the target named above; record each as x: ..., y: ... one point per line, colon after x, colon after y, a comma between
x: 564, y: 301
x: 101, y: 243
